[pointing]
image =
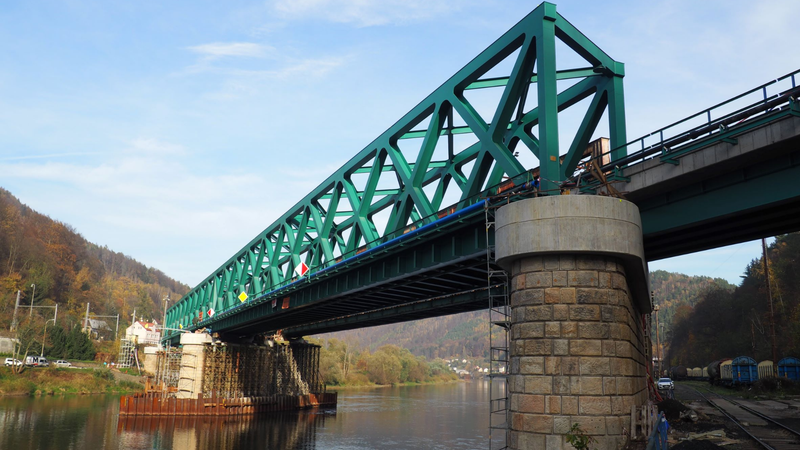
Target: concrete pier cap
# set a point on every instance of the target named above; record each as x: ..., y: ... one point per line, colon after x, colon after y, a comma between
x: 575, y: 224
x: 195, y: 338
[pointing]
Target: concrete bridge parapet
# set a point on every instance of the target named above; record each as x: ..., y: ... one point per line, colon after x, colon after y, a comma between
x: 579, y: 289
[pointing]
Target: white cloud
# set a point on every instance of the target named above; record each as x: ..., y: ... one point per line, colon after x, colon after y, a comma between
x: 365, y: 13
x: 154, y: 146
x: 239, y: 83
x: 49, y: 156
x: 243, y: 49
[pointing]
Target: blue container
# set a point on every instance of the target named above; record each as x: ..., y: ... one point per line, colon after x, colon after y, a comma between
x: 789, y: 368
x: 744, y: 370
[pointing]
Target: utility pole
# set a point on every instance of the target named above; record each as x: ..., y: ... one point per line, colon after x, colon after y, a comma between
x: 771, y: 310
x: 33, y: 296
x: 166, y: 302
x: 14, y: 320
x: 86, y: 320
x: 658, y: 343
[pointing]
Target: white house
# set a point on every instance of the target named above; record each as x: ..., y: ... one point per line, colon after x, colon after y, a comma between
x: 144, y: 332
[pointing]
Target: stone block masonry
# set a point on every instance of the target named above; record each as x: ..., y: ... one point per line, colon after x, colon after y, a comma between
x: 578, y: 350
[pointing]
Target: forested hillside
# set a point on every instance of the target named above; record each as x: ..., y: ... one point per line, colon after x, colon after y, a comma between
x: 458, y: 335
x: 676, y: 294
x: 729, y: 323
x: 69, y: 271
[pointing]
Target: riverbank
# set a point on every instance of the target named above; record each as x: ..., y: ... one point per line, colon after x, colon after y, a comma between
x: 57, y: 381
x: 348, y: 387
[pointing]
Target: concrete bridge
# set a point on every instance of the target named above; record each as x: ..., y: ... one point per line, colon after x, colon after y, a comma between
x: 421, y: 223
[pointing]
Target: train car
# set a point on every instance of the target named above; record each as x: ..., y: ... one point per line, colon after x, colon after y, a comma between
x: 678, y: 373
x: 715, y: 371
x: 705, y: 372
x: 765, y: 370
x: 744, y: 370
x: 725, y: 372
x: 695, y: 373
x: 789, y: 368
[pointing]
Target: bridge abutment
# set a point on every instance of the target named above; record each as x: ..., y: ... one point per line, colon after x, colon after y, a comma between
x: 578, y: 292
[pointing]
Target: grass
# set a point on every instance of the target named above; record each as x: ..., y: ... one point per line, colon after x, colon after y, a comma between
x: 51, y: 381
x: 764, y: 389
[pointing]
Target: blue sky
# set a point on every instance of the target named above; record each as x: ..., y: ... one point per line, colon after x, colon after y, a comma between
x: 176, y: 131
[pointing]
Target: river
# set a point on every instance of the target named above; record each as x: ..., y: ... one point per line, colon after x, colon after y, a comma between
x: 445, y: 416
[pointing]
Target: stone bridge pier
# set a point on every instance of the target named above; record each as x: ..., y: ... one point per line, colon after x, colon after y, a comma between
x: 579, y: 289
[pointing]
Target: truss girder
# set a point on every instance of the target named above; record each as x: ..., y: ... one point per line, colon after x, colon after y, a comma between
x: 402, y: 180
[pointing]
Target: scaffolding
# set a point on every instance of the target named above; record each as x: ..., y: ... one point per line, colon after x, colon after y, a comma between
x: 168, y: 369
x: 237, y: 371
x: 127, y: 348
x: 306, y: 356
x: 279, y: 368
x: 499, y: 327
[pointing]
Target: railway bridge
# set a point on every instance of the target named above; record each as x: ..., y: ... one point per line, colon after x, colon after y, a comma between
x: 478, y: 198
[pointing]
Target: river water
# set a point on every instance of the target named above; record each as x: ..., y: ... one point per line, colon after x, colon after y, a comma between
x: 446, y: 416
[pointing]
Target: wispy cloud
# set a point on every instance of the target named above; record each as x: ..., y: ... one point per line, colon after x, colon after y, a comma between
x: 242, y: 49
x: 147, y: 198
x: 155, y: 147
x: 365, y: 13
x: 49, y: 156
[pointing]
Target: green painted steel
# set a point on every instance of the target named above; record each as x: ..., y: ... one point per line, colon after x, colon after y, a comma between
x: 416, y: 171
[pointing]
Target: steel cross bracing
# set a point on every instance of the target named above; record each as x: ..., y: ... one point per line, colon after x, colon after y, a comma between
x: 436, y: 160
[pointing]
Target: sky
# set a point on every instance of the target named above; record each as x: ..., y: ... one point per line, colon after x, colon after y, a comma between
x: 175, y: 132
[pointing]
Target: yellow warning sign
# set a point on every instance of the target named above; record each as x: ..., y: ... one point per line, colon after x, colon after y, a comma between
x: 243, y: 296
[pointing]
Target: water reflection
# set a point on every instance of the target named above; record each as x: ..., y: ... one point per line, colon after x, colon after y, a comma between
x: 273, y: 431
x: 55, y: 422
x: 452, y: 416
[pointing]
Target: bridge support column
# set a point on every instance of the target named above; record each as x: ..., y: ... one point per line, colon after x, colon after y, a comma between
x: 579, y: 289
x: 190, y: 381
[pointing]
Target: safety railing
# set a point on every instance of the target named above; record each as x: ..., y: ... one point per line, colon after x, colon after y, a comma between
x: 668, y: 142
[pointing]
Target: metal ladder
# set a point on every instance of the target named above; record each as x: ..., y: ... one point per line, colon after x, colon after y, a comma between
x: 499, y: 327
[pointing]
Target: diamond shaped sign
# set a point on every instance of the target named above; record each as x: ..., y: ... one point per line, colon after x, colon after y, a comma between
x: 301, y: 269
x: 210, y: 312
x: 243, y: 296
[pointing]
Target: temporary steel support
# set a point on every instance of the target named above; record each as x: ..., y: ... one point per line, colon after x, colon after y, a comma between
x: 417, y: 168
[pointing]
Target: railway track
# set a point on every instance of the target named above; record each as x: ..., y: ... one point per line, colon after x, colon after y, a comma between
x: 772, y: 436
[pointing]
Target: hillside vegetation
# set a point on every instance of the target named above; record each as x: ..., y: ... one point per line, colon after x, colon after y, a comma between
x: 69, y: 271
x: 727, y: 323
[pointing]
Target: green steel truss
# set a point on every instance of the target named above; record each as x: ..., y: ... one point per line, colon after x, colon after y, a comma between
x: 422, y: 168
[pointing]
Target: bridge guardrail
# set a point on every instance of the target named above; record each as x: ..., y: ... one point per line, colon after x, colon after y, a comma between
x: 718, y: 121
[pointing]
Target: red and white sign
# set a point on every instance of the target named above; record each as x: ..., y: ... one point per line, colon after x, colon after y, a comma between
x: 210, y: 312
x: 301, y: 269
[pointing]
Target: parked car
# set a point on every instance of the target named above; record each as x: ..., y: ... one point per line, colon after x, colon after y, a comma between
x: 36, y: 361
x: 13, y: 362
x: 665, y: 383
x: 62, y: 363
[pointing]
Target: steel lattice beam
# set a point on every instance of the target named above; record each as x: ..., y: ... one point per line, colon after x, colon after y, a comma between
x: 400, y: 180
